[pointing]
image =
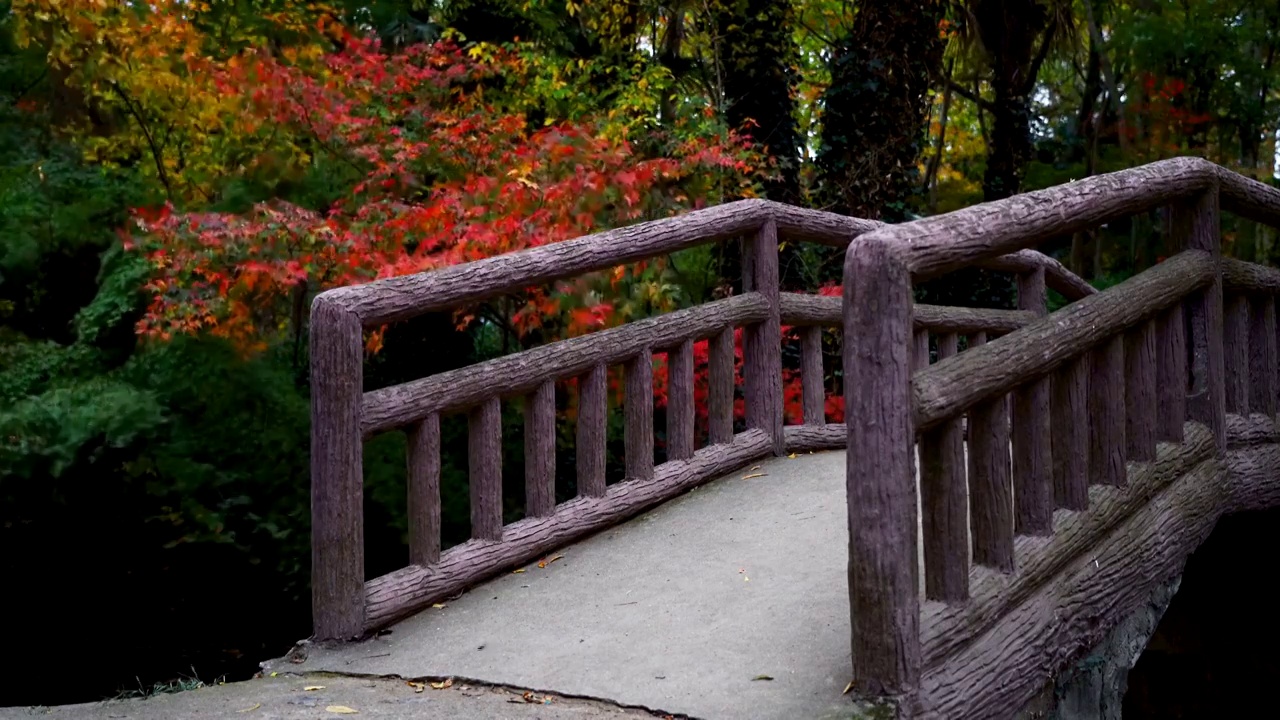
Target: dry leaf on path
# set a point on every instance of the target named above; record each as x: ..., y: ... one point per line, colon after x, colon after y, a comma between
x: 309, y: 688
x: 448, y: 683
x: 548, y: 561
x: 438, y: 606
x: 792, y: 456
x: 847, y: 688
x: 517, y: 571
x: 251, y: 709
x: 341, y: 710
x: 754, y: 475
x: 417, y: 686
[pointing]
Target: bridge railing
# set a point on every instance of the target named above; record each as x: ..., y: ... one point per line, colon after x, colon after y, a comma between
x: 345, y: 605
x: 1094, y: 386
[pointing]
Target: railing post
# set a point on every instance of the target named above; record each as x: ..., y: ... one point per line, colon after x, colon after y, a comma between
x: 762, y: 362
x: 884, y: 601
x: 337, y: 473
x: 1262, y: 356
x: 1195, y: 226
x: 1032, y: 443
x: 811, y: 375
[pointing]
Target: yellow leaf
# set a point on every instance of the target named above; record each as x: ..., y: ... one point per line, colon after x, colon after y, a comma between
x: 448, y: 683
x: 341, y: 710
x: 754, y: 475
x: 438, y: 606
x: 517, y: 571
x: 847, y: 688
x: 792, y: 456
x: 417, y: 686
x: 251, y: 709
x: 309, y: 688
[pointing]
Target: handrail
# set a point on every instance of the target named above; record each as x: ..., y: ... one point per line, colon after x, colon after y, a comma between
x: 806, y: 310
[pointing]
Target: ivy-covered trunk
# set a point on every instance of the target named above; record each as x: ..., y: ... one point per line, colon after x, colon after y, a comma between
x: 875, y: 116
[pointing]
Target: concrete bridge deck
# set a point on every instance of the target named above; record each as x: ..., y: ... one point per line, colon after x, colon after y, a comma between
x: 730, y: 601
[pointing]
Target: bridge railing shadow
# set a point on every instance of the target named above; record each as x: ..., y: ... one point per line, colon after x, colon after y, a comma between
x: 1097, y: 394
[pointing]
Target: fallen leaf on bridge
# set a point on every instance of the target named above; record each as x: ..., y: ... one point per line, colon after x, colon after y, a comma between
x: 762, y: 677
x: 341, y: 710
x: 251, y: 709
x: 792, y: 456
x: 753, y: 475
x: 309, y: 688
x: 448, y: 683
x: 517, y: 571
x: 548, y: 561
x: 847, y: 688
x: 438, y: 606
x: 417, y: 686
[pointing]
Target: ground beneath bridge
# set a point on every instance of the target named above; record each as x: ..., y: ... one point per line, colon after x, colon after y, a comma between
x: 728, y: 602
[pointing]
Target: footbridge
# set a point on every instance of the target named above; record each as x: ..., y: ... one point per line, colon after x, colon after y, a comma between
x: 981, y: 519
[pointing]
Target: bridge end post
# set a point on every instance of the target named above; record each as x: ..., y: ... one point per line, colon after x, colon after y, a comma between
x: 337, y: 474
x: 884, y: 601
x: 1196, y: 226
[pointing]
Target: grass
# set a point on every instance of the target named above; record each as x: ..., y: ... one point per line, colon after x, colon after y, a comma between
x: 181, y: 684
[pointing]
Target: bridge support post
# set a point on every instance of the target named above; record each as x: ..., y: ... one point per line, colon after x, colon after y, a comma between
x: 762, y: 354
x: 337, y: 472
x: 884, y: 601
x: 1196, y: 226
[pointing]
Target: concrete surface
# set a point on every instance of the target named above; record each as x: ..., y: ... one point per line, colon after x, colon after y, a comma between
x: 728, y: 602
x: 287, y: 698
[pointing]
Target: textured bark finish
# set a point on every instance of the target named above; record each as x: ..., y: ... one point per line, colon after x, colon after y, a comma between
x: 424, y: 491
x: 1194, y: 225
x: 720, y: 378
x: 884, y: 602
x: 591, y: 440
x: 812, y: 379
x: 1057, y: 276
x: 1040, y: 638
x: 948, y: 630
x: 1235, y: 353
x: 920, y: 350
x: 1253, y: 430
x: 399, y: 298
x: 946, y: 512
x: 762, y: 341
x: 1107, y: 413
x: 395, y: 595
x: 540, y: 451
x: 1241, y: 276
x: 1171, y: 374
x: 484, y: 455
x: 809, y: 438
x: 947, y: 389
x: 1032, y: 443
x: 337, y: 475
x: 523, y: 372
x: 1248, y: 197
x: 1141, y: 406
x: 1262, y: 356
x: 1070, y: 420
x: 680, y: 402
x: 800, y: 309
x: 638, y: 409
x: 940, y: 244
x: 990, y: 482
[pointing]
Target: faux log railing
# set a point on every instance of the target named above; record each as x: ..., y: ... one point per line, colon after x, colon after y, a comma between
x: 346, y: 606
x: 1095, y: 387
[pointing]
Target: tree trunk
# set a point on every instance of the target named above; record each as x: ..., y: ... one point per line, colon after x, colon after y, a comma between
x: 874, y: 124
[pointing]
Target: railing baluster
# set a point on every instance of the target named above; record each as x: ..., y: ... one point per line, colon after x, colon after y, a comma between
x: 812, y: 380
x: 484, y: 453
x: 1235, y: 352
x: 720, y: 378
x: 946, y: 512
x: 1032, y: 444
x: 638, y: 407
x: 920, y: 350
x: 1070, y: 418
x: 1141, y: 407
x: 762, y: 367
x: 424, y: 491
x: 1263, y: 383
x: 1194, y: 225
x: 1106, y: 411
x: 540, y: 451
x: 680, y: 401
x: 591, y: 438
x: 1171, y: 375
x: 990, y: 481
